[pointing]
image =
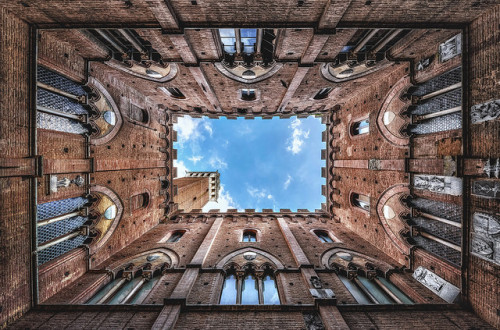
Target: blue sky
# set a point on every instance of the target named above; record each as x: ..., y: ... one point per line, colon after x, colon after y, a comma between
x: 263, y: 164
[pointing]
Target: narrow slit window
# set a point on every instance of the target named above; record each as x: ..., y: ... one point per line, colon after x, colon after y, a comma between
x: 323, y: 236
x: 360, y: 127
x: 176, y: 236
x: 360, y: 201
x: 249, y: 236
x: 323, y: 93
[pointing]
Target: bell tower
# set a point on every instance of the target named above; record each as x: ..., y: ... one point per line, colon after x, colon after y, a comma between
x: 196, y: 189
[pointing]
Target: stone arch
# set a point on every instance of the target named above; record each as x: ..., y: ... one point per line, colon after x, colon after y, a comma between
x: 172, y: 71
x: 232, y: 74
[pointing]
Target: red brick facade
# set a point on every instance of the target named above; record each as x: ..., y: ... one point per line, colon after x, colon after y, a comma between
x: 131, y: 164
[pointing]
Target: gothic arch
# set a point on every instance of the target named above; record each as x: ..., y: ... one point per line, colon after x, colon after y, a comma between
x: 227, y: 259
x: 395, y: 105
x: 394, y: 234
x: 325, y: 257
x: 103, y: 94
x: 119, y: 212
x: 174, y: 257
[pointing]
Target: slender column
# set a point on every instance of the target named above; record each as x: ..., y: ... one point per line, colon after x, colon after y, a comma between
x: 365, y: 290
x: 59, y: 239
x: 239, y: 283
x: 365, y: 40
x: 260, y: 288
x: 387, y: 290
x: 417, y: 213
x: 238, y: 41
x: 260, y: 32
x: 60, y: 218
x: 112, y: 292
x: 386, y: 40
x: 419, y: 99
x: 127, y: 35
x: 136, y: 288
x: 111, y: 40
x: 50, y: 111
x: 439, y: 240
x: 78, y: 98
x: 417, y: 118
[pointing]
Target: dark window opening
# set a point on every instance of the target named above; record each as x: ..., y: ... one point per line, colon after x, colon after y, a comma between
x: 360, y: 201
x: 139, y: 201
x: 248, y: 94
x: 323, y: 236
x: 360, y: 127
x: 175, y: 93
x: 176, y: 236
x: 323, y: 93
x: 249, y: 236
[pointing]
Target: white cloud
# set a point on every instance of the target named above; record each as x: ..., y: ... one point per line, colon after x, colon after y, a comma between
x: 224, y: 202
x: 287, y: 182
x: 195, y: 159
x: 208, y: 127
x: 191, y: 129
x: 217, y: 163
x: 244, y: 130
x: 181, y: 168
x: 256, y: 193
x: 269, y: 196
x: 296, y: 141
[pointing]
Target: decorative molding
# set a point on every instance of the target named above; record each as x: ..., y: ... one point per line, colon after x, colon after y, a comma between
x: 485, y: 241
x: 485, y: 111
x: 438, y: 184
x: 486, y: 188
x: 436, y: 284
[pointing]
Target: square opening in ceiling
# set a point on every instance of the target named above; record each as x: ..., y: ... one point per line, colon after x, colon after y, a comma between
x: 263, y: 164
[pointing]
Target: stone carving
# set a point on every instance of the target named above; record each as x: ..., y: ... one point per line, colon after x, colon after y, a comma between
x: 423, y: 64
x: 492, y: 169
x: 438, y: 184
x: 436, y: 284
x: 64, y: 182
x: 450, y: 48
x: 485, y: 111
x: 316, y: 282
x: 313, y: 322
x: 374, y: 164
x: 486, y: 188
x: 322, y: 293
x: 486, y: 236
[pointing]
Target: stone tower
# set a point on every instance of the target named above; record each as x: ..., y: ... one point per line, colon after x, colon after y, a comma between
x: 196, y: 189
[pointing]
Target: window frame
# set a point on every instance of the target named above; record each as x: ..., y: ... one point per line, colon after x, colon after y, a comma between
x: 352, y: 128
x: 332, y: 237
x: 250, y: 230
x: 357, y: 202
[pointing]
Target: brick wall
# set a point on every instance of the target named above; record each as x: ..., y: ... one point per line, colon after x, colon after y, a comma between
x: 15, y: 296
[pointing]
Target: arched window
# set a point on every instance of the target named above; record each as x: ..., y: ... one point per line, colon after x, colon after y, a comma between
x: 134, y: 282
x: 249, y: 236
x: 360, y: 127
x: 249, y: 288
x: 323, y: 93
x: 362, y: 280
x: 176, y: 236
x: 138, y: 114
x: 361, y: 201
x: 323, y: 236
x: 173, y: 92
x: 248, y: 95
x: 139, y: 201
